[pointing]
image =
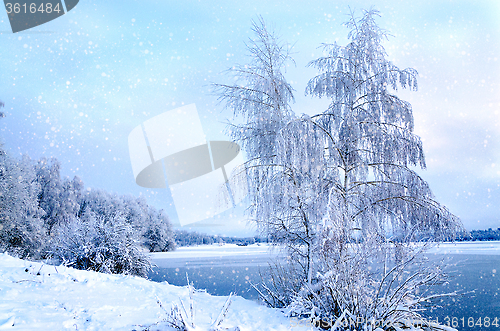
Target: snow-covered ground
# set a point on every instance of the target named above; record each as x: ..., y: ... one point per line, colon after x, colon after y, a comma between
x: 37, y: 296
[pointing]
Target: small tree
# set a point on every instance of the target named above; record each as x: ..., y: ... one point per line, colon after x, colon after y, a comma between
x: 50, y: 195
x: 159, y: 236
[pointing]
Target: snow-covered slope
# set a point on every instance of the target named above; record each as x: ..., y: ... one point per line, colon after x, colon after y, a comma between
x: 36, y: 296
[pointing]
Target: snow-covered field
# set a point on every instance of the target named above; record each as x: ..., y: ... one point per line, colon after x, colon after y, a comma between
x: 37, y: 296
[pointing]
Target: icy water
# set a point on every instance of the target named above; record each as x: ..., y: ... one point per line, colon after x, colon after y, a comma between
x: 476, y: 276
x: 218, y: 274
x: 478, y: 308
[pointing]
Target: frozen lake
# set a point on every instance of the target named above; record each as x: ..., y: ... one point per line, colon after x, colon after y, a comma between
x: 474, y: 267
x: 218, y: 269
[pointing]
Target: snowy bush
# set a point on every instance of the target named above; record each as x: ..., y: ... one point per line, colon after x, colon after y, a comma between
x: 182, y: 319
x: 390, y: 292
x: 159, y: 236
x: 96, y: 230
x: 110, y: 233
x: 152, y: 226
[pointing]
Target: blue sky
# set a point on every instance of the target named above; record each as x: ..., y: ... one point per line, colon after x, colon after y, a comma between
x: 75, y: 87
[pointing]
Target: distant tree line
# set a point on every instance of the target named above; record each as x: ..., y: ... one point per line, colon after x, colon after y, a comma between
x: 192, y: 238
x: 43, y: 216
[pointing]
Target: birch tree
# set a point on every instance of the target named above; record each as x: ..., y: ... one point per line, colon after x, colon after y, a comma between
x: 369, y: 133
x: 378, y: 205
x: 281, y: 168
x: 338, y: 190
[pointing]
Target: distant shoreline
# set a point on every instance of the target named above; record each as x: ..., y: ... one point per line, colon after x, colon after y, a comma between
x: 262, y: 250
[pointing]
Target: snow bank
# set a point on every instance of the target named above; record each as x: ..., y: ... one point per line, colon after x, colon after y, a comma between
x: 37, y: 296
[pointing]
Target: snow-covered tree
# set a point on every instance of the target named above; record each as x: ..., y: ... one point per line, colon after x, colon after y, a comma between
x: 282, y: 171
x: 338, y: 190
x: 21, y: 229
x: 100, y: 243
x: 376, y: 197
x: 100, y: 238
x: 51, y: 188
x: 159, y: 235
x: 369, y: 137
x: 111, y: 233
x: 135, y: 211
x: 152, y: 226
x: 43, y: 216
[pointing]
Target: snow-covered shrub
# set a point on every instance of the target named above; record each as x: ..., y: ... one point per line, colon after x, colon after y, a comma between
x: 281, y: 282
x: 153, y: 227
x: 21, y: 231
x: 368, y: 289
x: 106, y: 232
x: 182, y: 319
x: 93, y: 242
